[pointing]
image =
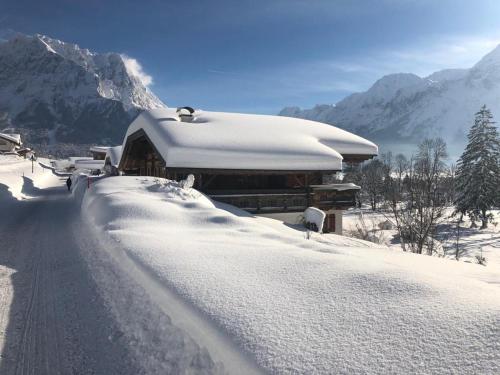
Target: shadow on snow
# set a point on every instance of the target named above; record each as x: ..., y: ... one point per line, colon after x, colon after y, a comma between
x: 57, y: 323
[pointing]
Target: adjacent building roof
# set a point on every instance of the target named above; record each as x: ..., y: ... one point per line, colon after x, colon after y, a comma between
x: 114, y: 155
x: 240, y: 141
x: 99, y: 149
x: 13, y: 138
x: 89, y: 164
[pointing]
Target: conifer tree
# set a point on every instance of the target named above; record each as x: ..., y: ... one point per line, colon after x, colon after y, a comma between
x: 478, y: 170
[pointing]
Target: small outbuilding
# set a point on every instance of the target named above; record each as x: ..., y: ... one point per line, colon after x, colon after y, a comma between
x: 268, y: 165
x: 95, y: 166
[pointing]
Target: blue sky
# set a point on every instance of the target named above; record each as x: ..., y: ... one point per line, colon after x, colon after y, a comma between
x: 259, y: 56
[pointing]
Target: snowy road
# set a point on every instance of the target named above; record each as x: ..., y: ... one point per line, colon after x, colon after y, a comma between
x: 51, y: 318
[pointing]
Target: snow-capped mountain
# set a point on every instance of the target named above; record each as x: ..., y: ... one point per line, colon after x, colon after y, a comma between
x: 54, y: 91
x: 401, y: 109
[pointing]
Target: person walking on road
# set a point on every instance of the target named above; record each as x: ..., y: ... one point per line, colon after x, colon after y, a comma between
x: 68, y: 183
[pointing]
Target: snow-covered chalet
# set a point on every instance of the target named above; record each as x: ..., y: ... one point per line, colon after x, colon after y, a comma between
x: 10, y: 142
x: 268, y: 165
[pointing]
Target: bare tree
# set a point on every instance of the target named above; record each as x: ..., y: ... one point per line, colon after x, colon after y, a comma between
x: 394, y: 191
x: 416, y: 196
x: 372, y: 180
x: 457, y: 236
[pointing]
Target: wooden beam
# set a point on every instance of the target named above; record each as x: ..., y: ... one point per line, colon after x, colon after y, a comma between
x: 248, y: 172
x: 356, y: 158
x: 209, y: 181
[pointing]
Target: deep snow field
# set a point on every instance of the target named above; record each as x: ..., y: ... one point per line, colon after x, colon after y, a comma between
x: 291, y: 305
x: 195, y: 286
x: 473, y: 241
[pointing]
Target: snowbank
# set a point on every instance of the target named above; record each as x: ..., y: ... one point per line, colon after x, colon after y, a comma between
x: 325, y: 305
x: 17, y: 179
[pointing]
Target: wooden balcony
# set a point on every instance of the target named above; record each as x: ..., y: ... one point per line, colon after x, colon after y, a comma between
x: 264, y: 201
x: 289, y: 200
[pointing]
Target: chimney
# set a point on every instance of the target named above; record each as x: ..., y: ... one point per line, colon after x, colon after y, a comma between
x: 185, y: 114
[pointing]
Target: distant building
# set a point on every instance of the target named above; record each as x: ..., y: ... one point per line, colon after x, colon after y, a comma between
x: 10, y: 142
x: 95, y: 166
x: 267, y: 165
x: 99, y: 152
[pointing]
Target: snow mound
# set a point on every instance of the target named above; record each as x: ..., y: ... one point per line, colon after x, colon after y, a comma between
x: 17, y: 179
x: 328, y: 304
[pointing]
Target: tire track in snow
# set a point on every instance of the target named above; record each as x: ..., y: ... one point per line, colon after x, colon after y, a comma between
x: 55, y: 323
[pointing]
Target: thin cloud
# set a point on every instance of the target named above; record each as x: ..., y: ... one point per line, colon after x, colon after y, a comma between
x: 223, y: 72
x: 447, y: 53
x: 135, y: 69
x: 423, y: 59
x: 330, y: 80
x: 216, y: 71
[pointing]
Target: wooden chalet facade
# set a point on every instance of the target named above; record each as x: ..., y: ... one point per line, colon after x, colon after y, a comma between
x: 280, y: 193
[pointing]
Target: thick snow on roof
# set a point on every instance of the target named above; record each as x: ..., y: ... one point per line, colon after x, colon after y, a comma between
x: 72, y: 159
x: 114, y: 154
x: 338, y: 187
x: 70, y: 162
x: 89, y: 164
x: 242, y: 141
x: 330, y: 304
x: 14, y: 138
x: 99, y: 149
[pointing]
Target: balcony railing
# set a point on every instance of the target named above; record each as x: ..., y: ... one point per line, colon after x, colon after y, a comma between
x: 290, y: 200
x: 264, y: 201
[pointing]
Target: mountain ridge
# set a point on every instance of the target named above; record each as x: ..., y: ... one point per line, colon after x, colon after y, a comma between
x: 399, y: 109
x: 54, y: 92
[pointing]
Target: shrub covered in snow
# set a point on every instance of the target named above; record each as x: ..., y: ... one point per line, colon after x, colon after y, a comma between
x: 187, y: 183
x: 367, y: 230
x: 385, y: 225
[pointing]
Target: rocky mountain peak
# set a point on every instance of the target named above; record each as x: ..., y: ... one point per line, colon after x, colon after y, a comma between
x: 55, y: 91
